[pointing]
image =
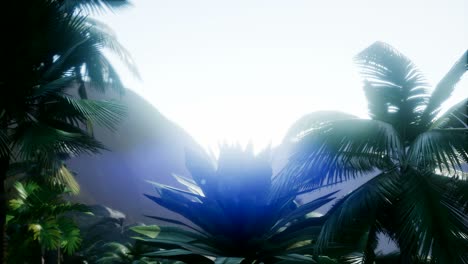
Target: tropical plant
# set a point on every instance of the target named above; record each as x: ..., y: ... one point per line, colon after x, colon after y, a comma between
x: 53, y: 45
x: 233, y: 215
x: 37, y: 224
x: 419, y: 194
x: 123, y: 253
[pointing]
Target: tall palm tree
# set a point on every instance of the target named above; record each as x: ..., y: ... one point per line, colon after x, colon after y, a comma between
x: 47, y: 47
x: 419, y: 195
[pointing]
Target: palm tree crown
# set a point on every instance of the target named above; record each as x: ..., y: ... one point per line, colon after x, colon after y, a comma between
x: 418, y: 197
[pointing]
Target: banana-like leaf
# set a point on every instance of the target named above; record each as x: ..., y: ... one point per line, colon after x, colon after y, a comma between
x: 151, y: 231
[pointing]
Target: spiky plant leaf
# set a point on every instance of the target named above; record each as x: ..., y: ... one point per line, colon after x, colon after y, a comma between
x: 232, y: 213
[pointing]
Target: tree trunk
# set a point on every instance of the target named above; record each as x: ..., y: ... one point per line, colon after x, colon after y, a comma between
x: 4, y: 164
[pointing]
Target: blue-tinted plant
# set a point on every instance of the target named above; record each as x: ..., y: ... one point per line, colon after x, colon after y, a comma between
x: 234, y: 215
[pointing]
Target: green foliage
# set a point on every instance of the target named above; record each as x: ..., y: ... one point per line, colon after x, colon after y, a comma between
x: 56, y: 48
x: 50, y: 50
x: 418, y: 197
x: 234, y: 215
x: 37, y: 221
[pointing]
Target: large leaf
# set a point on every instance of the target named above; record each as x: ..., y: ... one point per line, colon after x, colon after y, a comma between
x: 70, y: 235
x: 105, y: 35
x: 151, y: 231
x: 396, y: 91
x: 446, y: 149
x: 105, y: 113
x: 445, y: 87
x: 314, y: 120
x: 428, y: 224
x: 455, y: 117
x: 343, y: 150
x: 231, y: 260
x: 350, y: 217
x: 50, y: 141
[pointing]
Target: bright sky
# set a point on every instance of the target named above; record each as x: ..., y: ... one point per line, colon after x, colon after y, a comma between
x: 243, y: 70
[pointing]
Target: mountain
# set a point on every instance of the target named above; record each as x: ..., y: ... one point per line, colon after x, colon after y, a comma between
x: 146, y: 146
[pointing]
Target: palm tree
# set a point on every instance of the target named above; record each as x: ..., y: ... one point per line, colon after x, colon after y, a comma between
x: 50, y: 46
x: 419, y: 194
x: 234, y: 215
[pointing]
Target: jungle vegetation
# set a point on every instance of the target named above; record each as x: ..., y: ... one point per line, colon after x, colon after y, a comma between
x: 237, y: 211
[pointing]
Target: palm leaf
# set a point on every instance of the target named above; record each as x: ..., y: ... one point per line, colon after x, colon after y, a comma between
x: 52, y: 87
x: 224, y: 260
x: 429, y: 225
x: 4, y: 144
x: 445, y: 148
x: 66, y: 178
x: 314, y: 120
x: 358, y: 210
x: 445, y: 87
x: 70, y: 235
x: 455, y: 117
x: 342, y: 150
x: 105, y: 35
x: 396, y: 91
x: 51, y: 141
x: 93, y: 6
x: 105, y: 113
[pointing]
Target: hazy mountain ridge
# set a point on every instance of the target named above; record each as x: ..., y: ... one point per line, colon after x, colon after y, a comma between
x: 146, y: 146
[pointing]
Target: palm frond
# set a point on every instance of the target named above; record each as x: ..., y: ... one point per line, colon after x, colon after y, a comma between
x: 351, y: 216
x: 342, y: 150
x: 93, y: 6
x: 396, y: 91
x: 455, y: 117
x: 52, y: 88
x: 70, y: 235
x: 105, y: 35
x: 445, y: 87
x: 65, y: 177
x: 446, y: 149
x: 105, y: 113
x: 314, y: 120
x: 44, y: 143
x: 429, y: 226
x: 4, y: 144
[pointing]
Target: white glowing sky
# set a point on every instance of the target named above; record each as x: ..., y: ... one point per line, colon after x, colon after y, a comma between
x: 243, y: 70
